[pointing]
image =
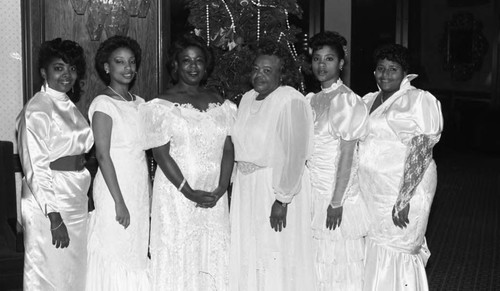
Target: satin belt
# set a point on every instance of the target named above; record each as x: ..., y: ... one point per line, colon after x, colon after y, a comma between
x: 400, y: 249
x: 422, y: 251
x: 69, y: 163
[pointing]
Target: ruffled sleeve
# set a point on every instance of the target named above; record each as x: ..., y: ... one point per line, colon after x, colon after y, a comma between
x: 416, y: 113
x: 293, y: 146
x: 34, y: 133
x: 230, y: 111
x: 348, y: 116
x: 156, y: 118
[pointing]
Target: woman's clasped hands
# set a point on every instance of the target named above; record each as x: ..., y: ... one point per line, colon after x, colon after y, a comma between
x: 205, y: 199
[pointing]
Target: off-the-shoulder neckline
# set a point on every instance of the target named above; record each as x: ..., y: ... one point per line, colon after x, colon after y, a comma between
x: 189, y: 106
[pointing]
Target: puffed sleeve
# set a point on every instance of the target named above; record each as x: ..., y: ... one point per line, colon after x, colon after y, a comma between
x: 34, y: 133
x: 230, y: 111
x: 348, y: 116
x: 156, y: 118
x: 416, y: 113
x: 293, y: 146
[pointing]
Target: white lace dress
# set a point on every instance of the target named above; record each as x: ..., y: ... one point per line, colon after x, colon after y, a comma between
x: 189, y: 245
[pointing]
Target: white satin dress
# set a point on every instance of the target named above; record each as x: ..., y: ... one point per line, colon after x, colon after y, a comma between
x: 272, y: 140
x: 50, y: 127
x: 339, y: 114
x: 395, y: 257
x: 189, y: 244
x: 118, y: 257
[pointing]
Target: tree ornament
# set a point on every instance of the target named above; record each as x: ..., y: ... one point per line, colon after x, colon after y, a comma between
x: 258, y: 20
x: 208, y: 25
x: 232, y: 27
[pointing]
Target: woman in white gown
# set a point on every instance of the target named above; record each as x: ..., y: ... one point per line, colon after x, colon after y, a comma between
x: 119, y: 225
x: 271, y: 240
x: 189, y: 127
x: 53, y: 137
x: 340, y: 217
x: 396, y: 170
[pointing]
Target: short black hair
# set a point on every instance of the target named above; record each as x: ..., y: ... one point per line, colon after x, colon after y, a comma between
x: 71, y: 53
x: 394, y: 53
x: 329, y: 38
x: 182, y: 43
x: 111, y: 44
x: 290, y: 73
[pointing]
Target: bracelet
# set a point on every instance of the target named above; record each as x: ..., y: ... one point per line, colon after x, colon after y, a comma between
x: 181, y: 185
x: 57, y: 226
x: 335, y: 205
x: 282, y: 203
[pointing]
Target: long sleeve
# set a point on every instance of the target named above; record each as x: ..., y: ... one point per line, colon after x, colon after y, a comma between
x: 348, y: 117
x: 417, y: 120
x: 33, y: 139
x: 293, y: 146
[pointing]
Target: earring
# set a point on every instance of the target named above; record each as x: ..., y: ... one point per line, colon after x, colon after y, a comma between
x: 107, y: 72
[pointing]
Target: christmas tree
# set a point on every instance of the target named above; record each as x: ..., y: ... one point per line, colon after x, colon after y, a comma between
x: 232, y: 27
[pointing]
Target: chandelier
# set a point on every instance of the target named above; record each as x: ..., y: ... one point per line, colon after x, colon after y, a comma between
x: 111, y: 16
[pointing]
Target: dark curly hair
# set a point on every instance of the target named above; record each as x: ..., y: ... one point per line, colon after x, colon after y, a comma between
x: 329, y: 38
x: 182, y: 43
x: 108, y: 47
x: 290, y: 74
x: 394, y: 53
x: 71, y: 53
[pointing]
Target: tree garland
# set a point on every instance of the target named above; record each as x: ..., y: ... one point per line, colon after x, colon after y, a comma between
x: 230, y: 27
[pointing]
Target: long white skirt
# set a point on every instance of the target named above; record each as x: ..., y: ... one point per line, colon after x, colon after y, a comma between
x: 262, y: 259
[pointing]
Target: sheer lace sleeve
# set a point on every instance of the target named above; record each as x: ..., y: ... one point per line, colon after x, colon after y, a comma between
x: 417, y: 120
x: 33, y: 139
x: 156, y: 118
x: 417, y: 160
x: 346, y: 166
x: 348, y: 117
x: 293, y: 146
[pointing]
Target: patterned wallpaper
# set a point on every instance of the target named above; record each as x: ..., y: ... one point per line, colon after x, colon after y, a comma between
x: 11, y: 84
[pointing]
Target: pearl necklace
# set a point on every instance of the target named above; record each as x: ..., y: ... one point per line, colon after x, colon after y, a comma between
x: 123, y: 98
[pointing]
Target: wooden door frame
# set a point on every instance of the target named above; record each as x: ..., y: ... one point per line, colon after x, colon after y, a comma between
x: 33, y: 34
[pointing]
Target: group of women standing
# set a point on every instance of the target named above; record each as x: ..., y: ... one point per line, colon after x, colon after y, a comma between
x: 321, y: 191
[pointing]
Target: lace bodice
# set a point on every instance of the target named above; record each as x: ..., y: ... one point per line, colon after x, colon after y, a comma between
x: 197, y: 239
